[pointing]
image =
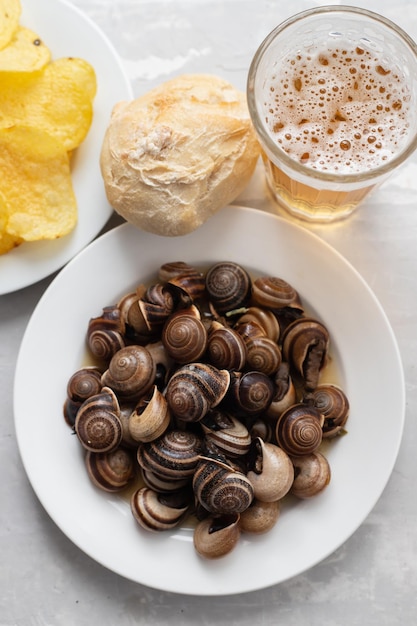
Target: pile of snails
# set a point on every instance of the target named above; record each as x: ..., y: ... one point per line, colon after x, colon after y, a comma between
x: 204, y: 399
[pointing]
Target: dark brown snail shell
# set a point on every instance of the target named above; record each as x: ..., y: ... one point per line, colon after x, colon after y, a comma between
x: 131, y: 372
x: 98, y: 425
x: 228, y: 286
x: 262, y: 317
x: 225, y: 348
x: 194, y: 389
x: 173, y: 456
x: 250, y: 393
x: 333, y: 404
x: 184, y: 277
x: 299, y: 430
x: 226, y: 432
x: 185, y: 336
x: 220, y: 489
x: 83, y: 384
x: 105, y: 333
x: 263, y: 355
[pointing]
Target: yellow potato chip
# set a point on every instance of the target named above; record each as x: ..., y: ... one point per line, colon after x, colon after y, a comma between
x: 10, y: 11
x: 26, y: 52
x: 58, y: 99
x: 8, y: 242
x: 37, y: 200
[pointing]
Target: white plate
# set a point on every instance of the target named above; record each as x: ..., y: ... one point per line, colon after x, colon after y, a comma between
x: 68, y: 32
x: 369, y: 369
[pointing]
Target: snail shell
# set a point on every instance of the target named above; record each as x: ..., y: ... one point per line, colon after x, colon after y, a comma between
x: 250, y: 393
x: 150, y: 418
x: 155, y: 511
x: 220, y: 489
x: 185, y: 277
x: 185, y: 336
x: 274, y: 293
x: 312, y: 475
x: 263, y: 355
x: 225, y: 348
x: 299, y: 430
x: 110, y: 471
x: 227, y: 433
x: 259, y: 517
x: 131, y: 372
x: 228, y: 286
x: 305, y: 345
x: 264, y: 318
x: 215, y: 537
x: 333, y: 404
x: 162, y: 485
x: 173, y: 456
x: 270, y: 471
x: 156, y: 305
x: 98, y: 425
x: 105, y: 333
x: 83, y: 384
x: 196, y: 388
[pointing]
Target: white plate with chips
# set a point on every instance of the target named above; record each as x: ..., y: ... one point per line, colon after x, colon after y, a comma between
x: 69, y: 32
x: 367, y: 366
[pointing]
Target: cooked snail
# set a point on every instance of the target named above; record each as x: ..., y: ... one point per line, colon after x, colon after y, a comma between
x: 173, y: 456
x: 275, y: 293
x: 226, y: 349
x: 98, y: 425
x: 226, y: 432
x: 305, y: 346
x: 259, y: 517
x: 215, y: 537
x: 131, y: 372
x: 220, y: 489
x: 333, y: 404
x: 155, y: 511
x: 299, y: 429
x: 110, y: 471
x: 228, y: 286
x: 311, y: 476
x: 270, y: 471
x: 185, y: 336
x: 150, y: 417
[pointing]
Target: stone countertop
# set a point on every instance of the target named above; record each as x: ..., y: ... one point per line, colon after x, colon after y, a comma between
x: 371, y: 580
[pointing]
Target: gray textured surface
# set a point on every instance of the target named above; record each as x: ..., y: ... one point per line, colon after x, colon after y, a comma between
x: 372, y: 579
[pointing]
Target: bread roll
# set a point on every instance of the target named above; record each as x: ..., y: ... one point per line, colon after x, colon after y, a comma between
x: 174, y: 156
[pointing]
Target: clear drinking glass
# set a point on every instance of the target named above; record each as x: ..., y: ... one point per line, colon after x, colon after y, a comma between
x: 332, y: 94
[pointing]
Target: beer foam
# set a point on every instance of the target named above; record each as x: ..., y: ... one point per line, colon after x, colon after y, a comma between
x: 340, y: 108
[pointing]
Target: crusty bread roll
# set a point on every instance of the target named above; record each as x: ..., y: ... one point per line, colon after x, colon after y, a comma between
x: 174, y: 156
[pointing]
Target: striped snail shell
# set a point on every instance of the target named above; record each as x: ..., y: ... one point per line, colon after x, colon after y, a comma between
x: 270, y: 471
x: 228, y: 286
x: 194, y: 389
x: 173, y: 456
x: 184, y: 277
x: 299, y: 430
x: 159, y: 511
x: 312, y: 475
x: 162, y: 485
x: 273, y: 292
x: 131, y: 372
x: 215, y: 537
x: 333, y: 404
x: 150, y: 418
x: 110, y: 471
x: 185, y: 336
x: 83, y: 384
x: 156, y: 305
x: 226, y: 432
x: 263, y: 355
x: 226, y: 349
x: 105, y: 333
x: 98, y: 425
x: 220, y: 489
x: 305, y: 345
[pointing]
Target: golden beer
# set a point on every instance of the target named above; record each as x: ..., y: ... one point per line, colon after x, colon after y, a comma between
x: 335, y: 108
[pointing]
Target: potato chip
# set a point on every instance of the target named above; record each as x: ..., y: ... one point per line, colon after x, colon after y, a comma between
x: 37, y: 200
x: 26, y: 52
x: 58, y: 99
x: 10, y: 11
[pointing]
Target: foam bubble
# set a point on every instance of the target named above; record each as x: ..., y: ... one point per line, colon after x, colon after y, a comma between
x: 338, y: 108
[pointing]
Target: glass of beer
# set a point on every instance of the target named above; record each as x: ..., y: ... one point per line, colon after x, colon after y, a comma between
x: 332, y: 94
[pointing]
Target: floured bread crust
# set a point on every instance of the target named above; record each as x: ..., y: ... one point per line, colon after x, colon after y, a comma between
x: 174, y: 156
